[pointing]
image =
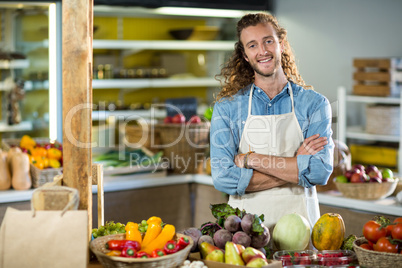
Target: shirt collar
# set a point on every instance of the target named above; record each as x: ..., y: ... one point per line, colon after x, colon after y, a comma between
x: 285, y: 90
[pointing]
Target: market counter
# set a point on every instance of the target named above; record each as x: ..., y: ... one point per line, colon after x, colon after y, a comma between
x: 184, y: 201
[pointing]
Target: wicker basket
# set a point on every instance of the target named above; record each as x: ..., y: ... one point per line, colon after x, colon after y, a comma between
x: 142, y: 135
x: 375, y: 259
x: 382, y: 119
x: 367, y: 191
x: 398, y: 188
x: 184, y: 145
x: 39, y: 176
x: 97, y: 246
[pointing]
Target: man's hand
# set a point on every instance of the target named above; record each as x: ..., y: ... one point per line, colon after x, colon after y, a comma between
x: 312, y: 145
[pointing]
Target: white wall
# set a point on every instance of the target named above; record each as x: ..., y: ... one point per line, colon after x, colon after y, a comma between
x: 326, y: 35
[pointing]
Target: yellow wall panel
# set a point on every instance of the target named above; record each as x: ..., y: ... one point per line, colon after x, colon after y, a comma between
x: 161, y: 94
x: 105, y: 28
x: 155, y: 28
x: 35, y: 27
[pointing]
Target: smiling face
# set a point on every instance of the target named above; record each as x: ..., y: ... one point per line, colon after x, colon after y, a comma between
x: 262, y: 49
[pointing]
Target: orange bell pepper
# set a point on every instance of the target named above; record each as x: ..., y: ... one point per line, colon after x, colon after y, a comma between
x: 39, y: 152
x: 38, y: 162
x: 54, y: 153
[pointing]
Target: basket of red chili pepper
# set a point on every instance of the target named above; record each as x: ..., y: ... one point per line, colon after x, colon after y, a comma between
x: 114, y: 251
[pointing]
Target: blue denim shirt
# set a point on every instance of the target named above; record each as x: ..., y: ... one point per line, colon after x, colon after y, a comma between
x: 313, y: 112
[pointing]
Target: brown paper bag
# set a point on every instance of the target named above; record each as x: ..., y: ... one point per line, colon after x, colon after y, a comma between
x: 44, y: 239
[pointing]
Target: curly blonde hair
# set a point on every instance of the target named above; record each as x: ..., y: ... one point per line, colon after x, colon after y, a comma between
x: 237, y: 72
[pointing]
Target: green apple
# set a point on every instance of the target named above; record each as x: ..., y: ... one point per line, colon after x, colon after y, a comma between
x: 387, y: 173
x: 341, y: 178
x: 208, y: 113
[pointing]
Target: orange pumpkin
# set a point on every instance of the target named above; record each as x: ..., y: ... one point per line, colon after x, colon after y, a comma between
x: 328, y: 232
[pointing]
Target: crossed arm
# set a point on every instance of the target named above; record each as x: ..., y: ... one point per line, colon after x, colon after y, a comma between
x: 272, y: 171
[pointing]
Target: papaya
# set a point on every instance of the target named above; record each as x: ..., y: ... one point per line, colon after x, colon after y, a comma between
x: 328, y: 232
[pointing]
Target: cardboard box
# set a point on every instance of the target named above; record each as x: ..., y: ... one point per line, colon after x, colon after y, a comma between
x: 214, y: 264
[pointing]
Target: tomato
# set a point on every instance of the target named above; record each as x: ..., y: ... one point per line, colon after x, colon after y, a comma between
x: 366, y: 246
x: 384, y: 245
x: 373, y: 231
x: 398, y: 220
x: 397, y: 231
x: 389, y: 229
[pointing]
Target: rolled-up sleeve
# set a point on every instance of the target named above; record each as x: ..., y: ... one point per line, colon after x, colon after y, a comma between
x: 224, y: 143
x: 316, y: 169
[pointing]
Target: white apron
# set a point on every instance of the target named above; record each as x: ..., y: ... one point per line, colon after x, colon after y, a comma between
x: 278, y: 135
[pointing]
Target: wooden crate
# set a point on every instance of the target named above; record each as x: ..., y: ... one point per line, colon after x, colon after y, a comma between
x: 378, y: 77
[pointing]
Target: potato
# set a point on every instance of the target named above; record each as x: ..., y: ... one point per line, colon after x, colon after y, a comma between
x: 259, y: 241
x: 247, y: 223
x: 232, y: 223
x: 241, y: 238
x: 221, y: 237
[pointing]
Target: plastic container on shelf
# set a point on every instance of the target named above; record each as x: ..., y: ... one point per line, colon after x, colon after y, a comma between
x: 336, y: 258
x: 296, y: 258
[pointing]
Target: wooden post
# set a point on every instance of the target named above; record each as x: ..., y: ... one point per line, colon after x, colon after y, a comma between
x: 77, y: 100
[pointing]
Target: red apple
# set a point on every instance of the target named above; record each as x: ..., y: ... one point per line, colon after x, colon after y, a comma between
x: 370, y: 168
x: 348, y: 173
x: 375, y: 174
x: 195, y: 119
x: 167, y: 120
x: 375, y: 180
x: 388, y: 179
x: 178, y: 119
x: 359, y: 166
x: 359, y: 177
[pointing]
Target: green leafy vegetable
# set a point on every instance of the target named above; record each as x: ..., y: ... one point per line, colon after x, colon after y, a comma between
x: 224, y: 210
x: 209, y: 228
x: 128, y: 158
x: 257, y: 224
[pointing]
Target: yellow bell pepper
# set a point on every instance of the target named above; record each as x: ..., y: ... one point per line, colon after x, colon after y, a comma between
x: 53, y: 163
x: 114, y: 253
x: 132, y: 232
x: 154, y: 219
x: 166, y: 234
x: 153, y: 231
x: 27, y: 142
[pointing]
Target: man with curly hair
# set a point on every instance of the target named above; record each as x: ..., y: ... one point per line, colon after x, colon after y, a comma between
x: 271, y: 137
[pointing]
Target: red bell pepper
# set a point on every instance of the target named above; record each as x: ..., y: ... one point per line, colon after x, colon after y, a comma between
x: 183, y: 242
x: 158, y: 253
x: 171, y: 247
x: 128, y: 252
x: 143, y: 255
x: 120, y: 244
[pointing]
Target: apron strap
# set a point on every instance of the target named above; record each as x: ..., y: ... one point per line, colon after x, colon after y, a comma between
x: 249, y: 100
x: 291, y: 96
